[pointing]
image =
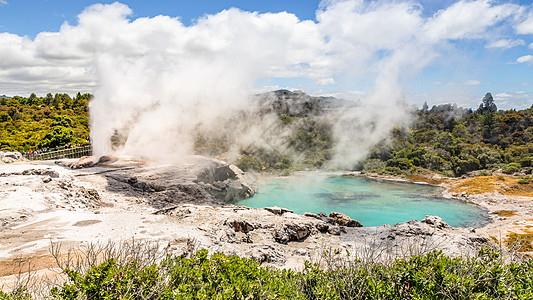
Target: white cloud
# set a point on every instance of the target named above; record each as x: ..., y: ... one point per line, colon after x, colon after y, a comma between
x: 506, y: 43
x: 526, y: 27
x: 3, y: 2
x: 468, y: 19
x: 530, y: 46
x: 500, y: 96
x: 525, y: 59
x: 472, y: 82
x: 326, y: 81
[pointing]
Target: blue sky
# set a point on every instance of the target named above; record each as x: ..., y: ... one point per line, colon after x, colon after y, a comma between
x: 440, y: 55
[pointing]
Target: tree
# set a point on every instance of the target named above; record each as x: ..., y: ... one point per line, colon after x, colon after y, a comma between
x: 425, y: 108
x: 48, y: 99
x: 487, y: 104
x: 32, y: 99
x: 488, y: 126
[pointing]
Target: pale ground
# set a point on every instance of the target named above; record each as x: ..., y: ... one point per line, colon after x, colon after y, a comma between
x: 60, y: 206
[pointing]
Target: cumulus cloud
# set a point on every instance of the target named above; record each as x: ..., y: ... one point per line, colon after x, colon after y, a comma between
x: 468, y: 19
x: 505, y: 43
x: 156, y: 75
x: 525, y: 59
x: 3, y: 2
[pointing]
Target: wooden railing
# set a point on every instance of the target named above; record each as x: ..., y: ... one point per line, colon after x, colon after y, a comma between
x: 64, y: 153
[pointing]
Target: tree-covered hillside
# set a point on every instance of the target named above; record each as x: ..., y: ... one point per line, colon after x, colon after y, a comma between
x: 447, y: 139
x: 455, y: 141
x: 32, y: 123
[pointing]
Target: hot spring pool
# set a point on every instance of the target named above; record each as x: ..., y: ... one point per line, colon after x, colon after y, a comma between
x: 371, y: 202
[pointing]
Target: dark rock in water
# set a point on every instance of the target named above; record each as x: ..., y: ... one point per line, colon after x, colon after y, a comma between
x: 278, y: 210
x: 436, y: 222
x: 344, y: 220
x: 342, y: 197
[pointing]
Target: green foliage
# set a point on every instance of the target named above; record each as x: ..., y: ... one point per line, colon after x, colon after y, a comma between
x: 455, y: 141
x: 285, y: 119
x: 511, y: 168
x: 429, y: 276
x: 39, y: 122
x: 249, y: 163
x: 19, y: 293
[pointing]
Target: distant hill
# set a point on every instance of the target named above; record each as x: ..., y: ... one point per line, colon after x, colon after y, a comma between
x: 299, y: 104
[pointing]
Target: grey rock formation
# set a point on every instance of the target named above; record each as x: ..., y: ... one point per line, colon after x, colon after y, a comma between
x: 344, y: 220
x: 435, y: 221
x: 10, y: 157
x: 288, y: 232
x: 278, y: 210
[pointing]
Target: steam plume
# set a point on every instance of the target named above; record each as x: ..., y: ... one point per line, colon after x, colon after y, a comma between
x: 159, y: 81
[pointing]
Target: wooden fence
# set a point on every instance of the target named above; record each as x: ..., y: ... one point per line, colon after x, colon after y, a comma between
x: 63, y: 153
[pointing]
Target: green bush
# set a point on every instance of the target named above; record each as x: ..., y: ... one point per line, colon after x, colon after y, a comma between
x: 524, y: 181
x: 249, y: 163
x: 429, y: 276
x: 511, y: 168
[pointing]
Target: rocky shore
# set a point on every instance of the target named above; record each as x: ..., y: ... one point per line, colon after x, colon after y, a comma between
x: 189, y: 203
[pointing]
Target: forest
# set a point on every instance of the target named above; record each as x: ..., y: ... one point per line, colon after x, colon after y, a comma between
x: 32, y: 123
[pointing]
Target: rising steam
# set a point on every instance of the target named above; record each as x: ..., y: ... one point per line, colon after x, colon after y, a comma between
x: 160, y: 82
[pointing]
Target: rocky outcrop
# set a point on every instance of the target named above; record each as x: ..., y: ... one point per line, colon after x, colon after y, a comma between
x: 225, y: 182
x: 84, y: 162
x: 278, y: 210
x: 10, y: 157
x: 41, y: 172
x: 436, y: 222
x: 240, y: 225
x: 335, y: 218
x: 343, y: 220
x: 289, y: 232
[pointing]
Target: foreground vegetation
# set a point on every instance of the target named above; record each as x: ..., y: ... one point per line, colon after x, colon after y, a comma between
x: 428, y: 276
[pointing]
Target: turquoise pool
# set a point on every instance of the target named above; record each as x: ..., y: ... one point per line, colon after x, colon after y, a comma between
x: 371, y: 202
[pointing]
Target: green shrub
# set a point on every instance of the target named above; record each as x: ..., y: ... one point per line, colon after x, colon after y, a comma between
x: 511, y: 168
x: 429, y: 276
x: 247, y: 163
x: 524, y: 181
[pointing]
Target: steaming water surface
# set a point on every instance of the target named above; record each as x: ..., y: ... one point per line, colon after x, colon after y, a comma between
x: 371, y: 202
